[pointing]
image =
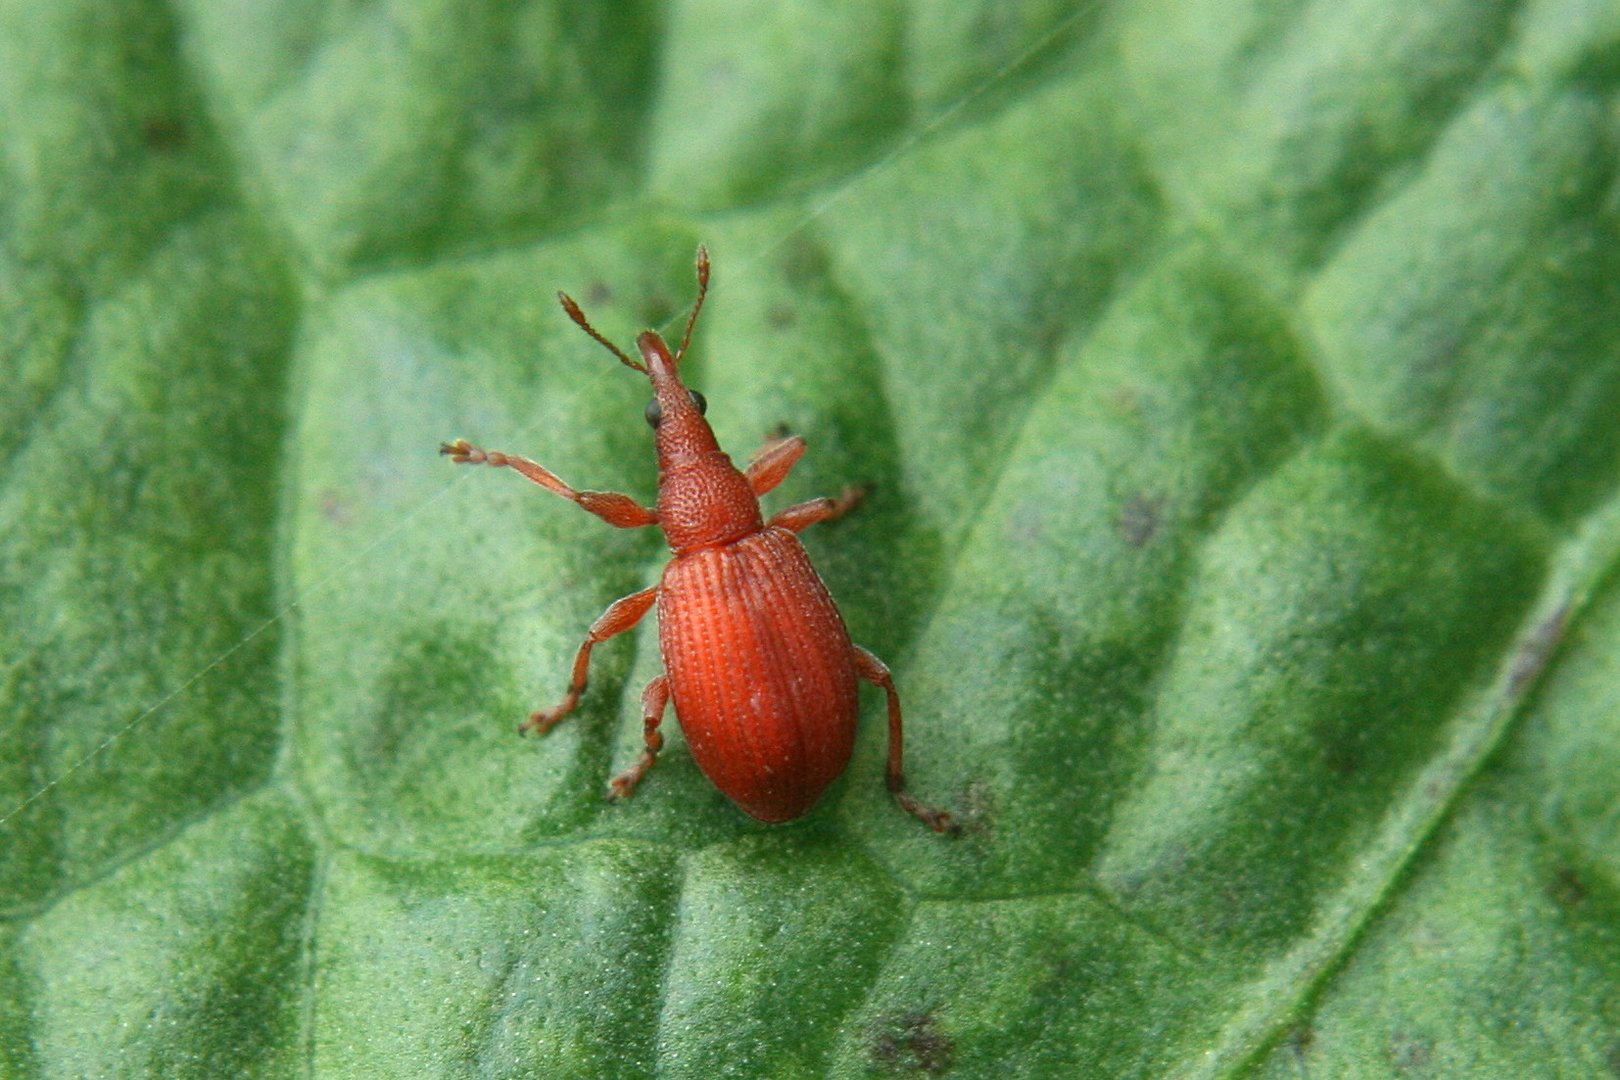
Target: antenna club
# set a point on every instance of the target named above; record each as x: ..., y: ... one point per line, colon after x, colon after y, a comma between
x: 703, y: 291
x: 585, y: 324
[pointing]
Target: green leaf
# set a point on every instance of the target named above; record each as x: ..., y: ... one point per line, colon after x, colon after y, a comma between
x: 1235, y: 384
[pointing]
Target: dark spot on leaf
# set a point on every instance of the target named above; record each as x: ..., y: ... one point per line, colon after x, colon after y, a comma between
x: 335, y: 508
x: 1342, y: 748
x: 598, y: 294
x: 903, y: 1042
x: 1300, y: 1039
x: 658, y: 309
x: 721, y: 79
x: 802, y: 261
x: 1126, y: 401
x: 164, y: 133
x: 1341, y: 758
x: 1140, y: 518
x: 1027, y: 529
x: 1613, y: 1059
x: 974, y: 803
x: 1533, y: 655
x: 1567, y: 888
x: 1408, y: 1053
x: 780, y: 317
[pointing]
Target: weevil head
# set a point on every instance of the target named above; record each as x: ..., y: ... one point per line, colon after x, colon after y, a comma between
x: 702, y: 497
x: 675, y: 413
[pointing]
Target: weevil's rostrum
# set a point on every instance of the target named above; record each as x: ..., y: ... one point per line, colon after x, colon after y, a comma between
x: 757, y: 661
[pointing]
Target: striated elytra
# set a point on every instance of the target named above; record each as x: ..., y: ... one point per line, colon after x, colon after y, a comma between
x: 757, y: 661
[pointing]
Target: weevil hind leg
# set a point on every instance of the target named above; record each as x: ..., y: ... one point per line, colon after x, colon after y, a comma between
x: 875, y: 671
x: 654, y: 700
x: 620, y: 616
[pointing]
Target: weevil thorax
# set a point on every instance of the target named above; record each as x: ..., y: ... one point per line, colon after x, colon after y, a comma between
x: 703, y: 499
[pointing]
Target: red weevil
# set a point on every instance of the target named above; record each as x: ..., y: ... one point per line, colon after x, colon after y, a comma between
x: 757, y: 660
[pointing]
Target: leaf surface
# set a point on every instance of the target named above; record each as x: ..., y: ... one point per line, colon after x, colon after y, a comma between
x: 1235, y: 384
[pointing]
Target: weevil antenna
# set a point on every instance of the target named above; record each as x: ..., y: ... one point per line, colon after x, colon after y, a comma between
x: 703, y: 290
x: 585, y: 324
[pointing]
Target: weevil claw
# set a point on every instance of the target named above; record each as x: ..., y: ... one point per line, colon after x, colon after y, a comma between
x: 461, y: 451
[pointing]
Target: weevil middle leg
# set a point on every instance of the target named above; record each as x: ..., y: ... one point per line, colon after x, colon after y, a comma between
x: 620, y: 616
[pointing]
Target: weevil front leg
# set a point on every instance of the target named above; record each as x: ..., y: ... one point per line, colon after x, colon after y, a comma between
x: 876, y: 672
x: 620, y: 616
x: 654, y: 699
x: 620, y: 511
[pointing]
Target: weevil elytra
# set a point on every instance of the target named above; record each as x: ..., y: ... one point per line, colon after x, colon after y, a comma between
x: 757, y: 661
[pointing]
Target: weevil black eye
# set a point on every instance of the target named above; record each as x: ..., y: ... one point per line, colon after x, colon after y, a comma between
x: 700, y: 401
x: 654, y: 413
